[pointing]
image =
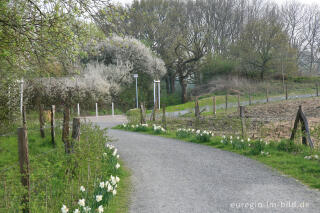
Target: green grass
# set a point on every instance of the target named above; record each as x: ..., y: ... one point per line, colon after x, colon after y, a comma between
x: 288, y: 163
x: 293, y: 88
x: 120, y: 204
x: 55, y: 177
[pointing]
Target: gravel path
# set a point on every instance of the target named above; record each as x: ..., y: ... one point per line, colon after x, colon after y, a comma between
x: 171, y: 176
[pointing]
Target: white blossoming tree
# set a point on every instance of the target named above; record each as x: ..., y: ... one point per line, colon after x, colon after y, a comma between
x: 129, y: 56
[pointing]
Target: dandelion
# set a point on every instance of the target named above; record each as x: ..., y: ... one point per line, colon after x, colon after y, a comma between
x: 64, y: 209
x: 114, y: 192
x: 76, y: 211
x: 82, y: 189
x: 117, y: 166
x: 100, y: 209
x: 101, y: 185
x: 98, y: 198
x: 82, y: 202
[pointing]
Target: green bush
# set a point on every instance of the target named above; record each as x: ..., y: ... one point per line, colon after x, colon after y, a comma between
x: 257, y: 147
x: 289, y: 146
x: 133, y: 116
x: 238, y: 144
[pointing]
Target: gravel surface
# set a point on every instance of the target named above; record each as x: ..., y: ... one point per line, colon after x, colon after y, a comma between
x: 171, y: 176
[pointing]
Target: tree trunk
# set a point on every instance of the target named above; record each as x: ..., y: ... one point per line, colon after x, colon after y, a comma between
x: 66, y: 130
x: 183, y: 85
x: 172, y: 83
x: 41, y: 120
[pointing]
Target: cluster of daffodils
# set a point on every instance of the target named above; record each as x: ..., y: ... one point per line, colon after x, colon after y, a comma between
x: 104, y: 190
x: 264, y: 153
x: 184, y: 133
x: 311, y: 157
x: 203, y: 135
x: 231, y: 140
x: 136, y: 127
x: 158, y: 129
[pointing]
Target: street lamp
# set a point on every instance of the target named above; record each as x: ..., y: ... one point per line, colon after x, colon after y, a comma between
x: 155, y: 83
x: 136, y: 77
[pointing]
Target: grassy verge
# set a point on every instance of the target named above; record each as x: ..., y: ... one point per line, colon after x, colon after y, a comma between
x: 56, y: 177
x: 120, y: 204
x: 294, y: 89
x: 286, y: 157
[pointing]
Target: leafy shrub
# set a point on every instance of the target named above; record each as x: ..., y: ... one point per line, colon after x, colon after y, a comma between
x: 133, y: 116
x: 239, y: 144
x: 289, y: 146
x: 203, y: 136
x: 184, y: 133
x: 158, y: 129
x: 257, y: 147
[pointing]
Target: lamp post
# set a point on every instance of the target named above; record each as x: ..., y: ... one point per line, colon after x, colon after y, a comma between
x: 136, y: 77
x: 155, y: 84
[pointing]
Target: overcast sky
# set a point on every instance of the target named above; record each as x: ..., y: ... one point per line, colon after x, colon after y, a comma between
x: 279, y: 1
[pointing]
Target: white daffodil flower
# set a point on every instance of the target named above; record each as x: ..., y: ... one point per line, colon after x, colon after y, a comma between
x: 82, y: 189
x: 82, y: 202
x: 101, y: 185
x: 100, y: 209
x: 98, y: 198
x: 114, y: 192
x: 64, y: 209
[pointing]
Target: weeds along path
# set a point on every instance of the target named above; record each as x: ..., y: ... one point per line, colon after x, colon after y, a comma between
x: 171, y: 176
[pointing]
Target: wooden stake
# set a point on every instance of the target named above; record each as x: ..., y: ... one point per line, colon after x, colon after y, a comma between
x: 286, y: 92
x: 317, y: 90
x: 226, y: 102
x: 142, y: 114
x: 52, y: 125
x: 24, y: 117
x: 238, y: 101
x: 24, y: 166
x: 243, y: 123
x: 214, y: 105
x: 76, y: 129
x: 249, y: 98
x: 164, y: 119
x: 267, y: 94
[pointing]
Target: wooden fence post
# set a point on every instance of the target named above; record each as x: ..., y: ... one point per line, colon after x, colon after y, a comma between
x: 238, y: 101
x: 214, y: 105
x: 226, y: 102
x: 24, y: 117
x: 41, y: 120
x: 76, y: 129
x: 306, y: 138
x: 317, y: 89
x: 154, y: 111
x: 267, y: 94
x: 142, y: 114
x: 249, y: 98
x: 243, y: 123
x: 197, y: 112
x: 24, y: 166
x: 286, y: 92
x: 164, y: 119
x: 52, y: 125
